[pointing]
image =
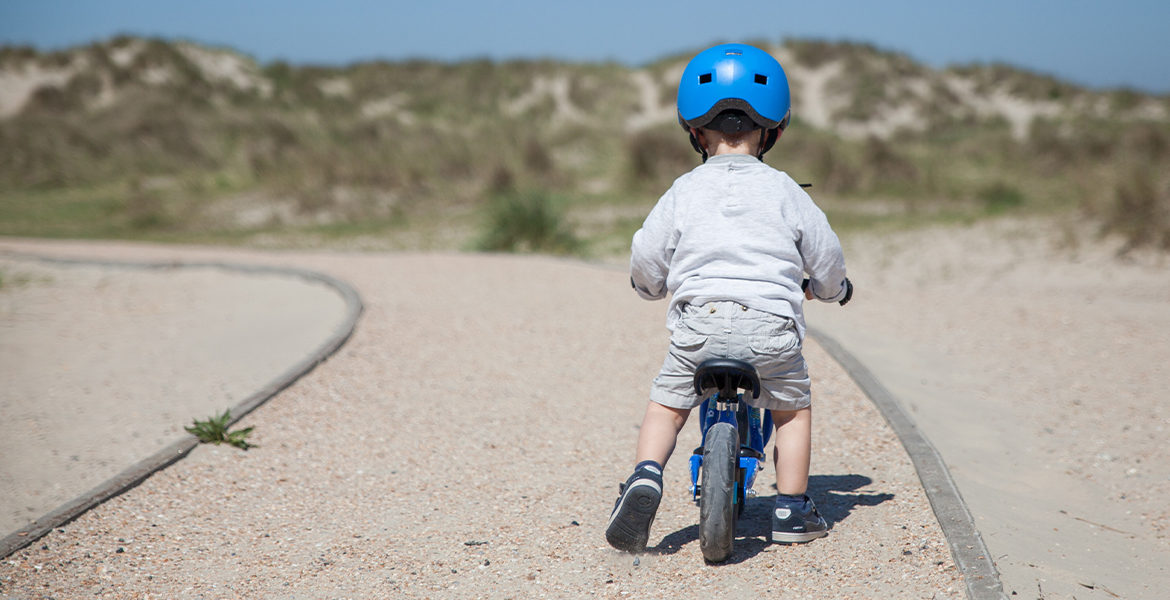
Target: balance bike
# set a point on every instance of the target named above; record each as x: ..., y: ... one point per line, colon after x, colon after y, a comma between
x: 724, y: 467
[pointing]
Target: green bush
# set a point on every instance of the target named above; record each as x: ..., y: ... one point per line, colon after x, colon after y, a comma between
x: 1000, y: 197
x: 527, y: 222
x: 889, y: 168
x: 817, y: 160
x: 655, y: 157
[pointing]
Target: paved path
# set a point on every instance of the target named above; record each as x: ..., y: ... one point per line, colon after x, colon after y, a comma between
x: 104, y: 365
x: 466, y: 442
x: 1039, y: 371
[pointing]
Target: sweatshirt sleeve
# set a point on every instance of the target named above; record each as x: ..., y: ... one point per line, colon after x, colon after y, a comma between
x: 652, y: 249
x: 819, y: 247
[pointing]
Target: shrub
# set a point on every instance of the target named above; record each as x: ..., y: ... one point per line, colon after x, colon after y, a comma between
x: 1149, y: 141
x: 537, y: 157
x: 887, y: 166
x: 502, y: 181
x: 656, y: 157
x: 144, y: 207
x: 1140, y: 211
x: 1000, y: 197
x: 822, y: 162
x: 527, y: 222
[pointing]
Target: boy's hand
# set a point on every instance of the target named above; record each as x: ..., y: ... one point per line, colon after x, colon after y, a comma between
x: 808, y: 293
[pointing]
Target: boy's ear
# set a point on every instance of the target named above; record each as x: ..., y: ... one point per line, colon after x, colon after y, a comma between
x: 697, y: 134
x: 768, y: 139
x: 698, y: 142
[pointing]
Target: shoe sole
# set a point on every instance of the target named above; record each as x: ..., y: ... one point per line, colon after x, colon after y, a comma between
x: 787, y: 537
x: 629, y: 526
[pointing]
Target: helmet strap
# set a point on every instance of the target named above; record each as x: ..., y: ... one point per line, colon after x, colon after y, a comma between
x: 695, y: 143
x: 768, y: 139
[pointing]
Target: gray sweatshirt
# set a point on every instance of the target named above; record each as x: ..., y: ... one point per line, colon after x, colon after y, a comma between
x: 736, y: 229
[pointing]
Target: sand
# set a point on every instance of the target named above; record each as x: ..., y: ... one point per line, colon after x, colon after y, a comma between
x: 467, y: 442
x: 1038, y: 368
x: 104, y: 366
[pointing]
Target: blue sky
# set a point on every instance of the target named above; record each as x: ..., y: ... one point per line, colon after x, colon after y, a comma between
x: 1101, y: 44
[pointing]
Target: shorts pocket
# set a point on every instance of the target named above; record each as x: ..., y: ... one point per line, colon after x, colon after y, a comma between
x: 777, y: 342
x: 687, y: 339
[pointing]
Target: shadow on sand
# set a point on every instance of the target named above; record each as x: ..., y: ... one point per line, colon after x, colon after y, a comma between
x: 835, y: 496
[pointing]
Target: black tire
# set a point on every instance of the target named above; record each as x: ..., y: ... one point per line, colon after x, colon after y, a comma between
x: 717, y: 501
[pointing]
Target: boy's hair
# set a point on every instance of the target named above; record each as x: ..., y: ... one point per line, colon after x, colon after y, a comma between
x: 731, y: 121
x: 734, y: 138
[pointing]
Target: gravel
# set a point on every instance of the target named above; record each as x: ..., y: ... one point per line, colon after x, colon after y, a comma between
x: 467, y: 442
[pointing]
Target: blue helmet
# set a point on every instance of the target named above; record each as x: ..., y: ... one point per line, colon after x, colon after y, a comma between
x: 734, y: 87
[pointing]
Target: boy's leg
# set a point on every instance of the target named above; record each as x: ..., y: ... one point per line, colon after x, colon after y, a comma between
x: 793, y: 429
x: 795, y: 518
x: 637, y: 503
x: 660, y: 427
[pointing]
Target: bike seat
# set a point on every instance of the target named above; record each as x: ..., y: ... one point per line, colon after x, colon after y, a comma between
x: 727, y: 375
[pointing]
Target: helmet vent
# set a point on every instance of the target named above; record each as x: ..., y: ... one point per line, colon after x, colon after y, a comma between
x: 761, y: 79
x: 704, y: 78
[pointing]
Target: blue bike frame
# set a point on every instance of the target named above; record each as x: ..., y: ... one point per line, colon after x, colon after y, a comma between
x: 758, y: 432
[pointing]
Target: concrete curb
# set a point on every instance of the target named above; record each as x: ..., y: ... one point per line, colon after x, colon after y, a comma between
x: 958, y: 526
x: 140, y: 471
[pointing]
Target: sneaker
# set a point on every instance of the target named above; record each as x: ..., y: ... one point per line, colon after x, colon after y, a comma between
x: 797, y: 523
x: 638, y: 498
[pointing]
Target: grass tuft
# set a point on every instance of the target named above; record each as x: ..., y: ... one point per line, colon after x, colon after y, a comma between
x: 215, y: 431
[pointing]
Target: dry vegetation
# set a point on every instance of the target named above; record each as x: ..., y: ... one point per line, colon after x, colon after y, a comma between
x: 153, y: 139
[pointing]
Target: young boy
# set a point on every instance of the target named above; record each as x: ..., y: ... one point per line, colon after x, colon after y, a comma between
x: 731, y: 241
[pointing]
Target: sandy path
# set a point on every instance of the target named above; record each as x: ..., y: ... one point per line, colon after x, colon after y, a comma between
x: 103, y: 366
x: 1039, y: 373
x: 467, y: 442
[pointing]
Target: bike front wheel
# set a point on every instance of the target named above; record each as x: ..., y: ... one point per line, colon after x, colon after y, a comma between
x: 717, y: 498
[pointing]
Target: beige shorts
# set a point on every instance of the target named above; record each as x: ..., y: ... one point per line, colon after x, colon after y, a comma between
x: 730, y: 330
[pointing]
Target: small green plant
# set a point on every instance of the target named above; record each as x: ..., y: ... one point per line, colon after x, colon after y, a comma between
x: 215, y: 431
x: 528, y: 222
